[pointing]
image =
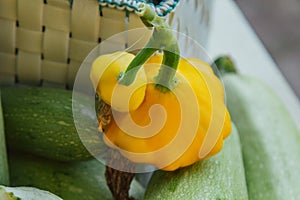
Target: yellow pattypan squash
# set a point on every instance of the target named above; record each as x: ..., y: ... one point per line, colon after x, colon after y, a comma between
x: 168, y: 129
x: 105, y: 72
x: 166, y: 111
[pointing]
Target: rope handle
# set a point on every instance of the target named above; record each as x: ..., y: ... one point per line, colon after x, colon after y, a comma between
x: 161, y: 7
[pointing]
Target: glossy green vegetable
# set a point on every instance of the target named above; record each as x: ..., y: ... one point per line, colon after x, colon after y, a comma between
x: 82, y: 180
x: 25, y: 193
x: 269, y: 136
x: 220, y: 177
x: 39, y: 120
x: 4, y: 179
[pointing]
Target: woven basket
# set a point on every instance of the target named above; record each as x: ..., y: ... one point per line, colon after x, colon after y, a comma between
x: 43, y: 42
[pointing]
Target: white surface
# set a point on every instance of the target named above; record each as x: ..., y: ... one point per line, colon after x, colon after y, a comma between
x: 232, y: 35
x: 26, y: 193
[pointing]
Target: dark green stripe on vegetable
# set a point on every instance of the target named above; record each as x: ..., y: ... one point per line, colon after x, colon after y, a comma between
x: 4, y: 178
x: 83, y: 180
x: 39, y: 120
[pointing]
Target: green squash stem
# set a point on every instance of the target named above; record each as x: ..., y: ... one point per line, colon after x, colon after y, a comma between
x: 162, y: 40
x: 225, y: 65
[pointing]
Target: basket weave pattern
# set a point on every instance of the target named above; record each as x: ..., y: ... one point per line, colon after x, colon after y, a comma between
x: 45, y: 42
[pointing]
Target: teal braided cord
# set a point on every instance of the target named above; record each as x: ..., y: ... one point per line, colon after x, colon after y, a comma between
x: 134, y: 4
x: 163, y: 7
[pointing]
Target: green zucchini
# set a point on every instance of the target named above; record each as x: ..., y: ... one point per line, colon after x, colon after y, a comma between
x: 83, y: 180
x: 25, y: 193
x: 218, y: 178
x: 39, y: 120
x: 269, y: 136
x: 4, y: 179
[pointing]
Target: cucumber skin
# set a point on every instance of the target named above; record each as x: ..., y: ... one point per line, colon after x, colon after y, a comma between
x: 220, y: 177
x: 269, y: 137
x: 4, y: 174
x: 83, y: 180
x: 39, y: 120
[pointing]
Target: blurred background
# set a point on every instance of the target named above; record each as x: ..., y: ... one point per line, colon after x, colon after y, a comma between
x: 277, y: 24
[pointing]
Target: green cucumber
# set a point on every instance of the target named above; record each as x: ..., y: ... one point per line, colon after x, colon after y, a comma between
x: 4, y: 179
x: 25, y: 193
x: 39, y: 120
x: 83, y: 180
x: 269, y: 136
x: 218, y: 178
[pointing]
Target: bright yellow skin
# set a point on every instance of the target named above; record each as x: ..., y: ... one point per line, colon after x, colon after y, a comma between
x: 176, y: 135
x: 104, y: 75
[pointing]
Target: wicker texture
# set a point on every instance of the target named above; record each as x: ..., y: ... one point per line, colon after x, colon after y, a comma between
x: 45, y: 42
